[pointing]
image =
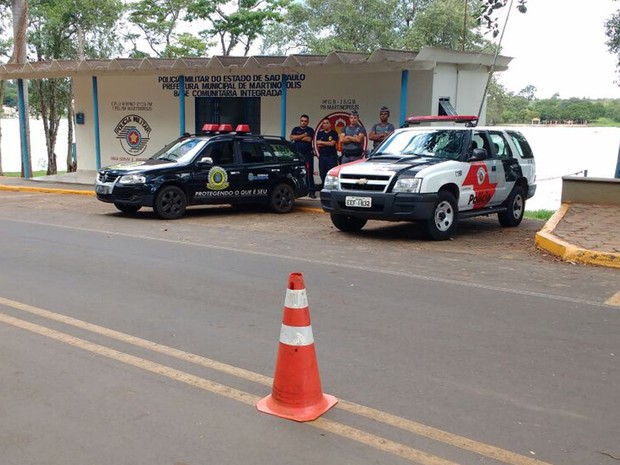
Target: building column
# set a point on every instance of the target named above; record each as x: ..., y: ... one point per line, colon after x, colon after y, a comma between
x: 96, y: 123
x: 182, y: 105
x: 404, y: 95
x: 283, y: 106
x: 23, y: 128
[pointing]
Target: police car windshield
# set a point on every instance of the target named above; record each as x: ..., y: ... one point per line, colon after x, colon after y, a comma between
x: 181, y: 151
x: 428, y: 142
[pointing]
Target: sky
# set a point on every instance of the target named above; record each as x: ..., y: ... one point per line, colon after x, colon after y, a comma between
x: 559, y: 46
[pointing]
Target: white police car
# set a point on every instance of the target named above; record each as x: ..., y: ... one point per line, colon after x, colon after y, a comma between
x: 437, y: 175
x: 218, y: 166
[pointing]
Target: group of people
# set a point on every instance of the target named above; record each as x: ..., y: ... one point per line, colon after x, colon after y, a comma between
x: 351, y: 139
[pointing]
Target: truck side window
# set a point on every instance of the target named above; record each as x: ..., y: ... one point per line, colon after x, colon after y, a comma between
x: 502, y: 148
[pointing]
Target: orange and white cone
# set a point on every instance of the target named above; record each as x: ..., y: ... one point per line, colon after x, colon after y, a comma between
x: 296, y: 392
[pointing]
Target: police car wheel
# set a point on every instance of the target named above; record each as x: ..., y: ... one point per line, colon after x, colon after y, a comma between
x: 127, y: 208
x: 170, y: 203
x: 348, y: 223
x: 445, y: 217
x: 516, y: 208
x: 282, y: 199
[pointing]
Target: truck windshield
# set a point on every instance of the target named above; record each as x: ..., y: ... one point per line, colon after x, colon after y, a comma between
x: 428, y: 142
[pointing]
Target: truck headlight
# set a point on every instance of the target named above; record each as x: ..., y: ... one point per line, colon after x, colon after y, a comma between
x: 331, y: 182
x: 132, y: 179
x: 408, y: 185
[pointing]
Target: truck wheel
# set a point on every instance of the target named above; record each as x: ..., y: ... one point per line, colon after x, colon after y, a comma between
x: 516, y: 208
x: 170, y: 203
x: 127, y: 208
x: 282, y: 199
x: 348, y: 223
x: 445, y: 217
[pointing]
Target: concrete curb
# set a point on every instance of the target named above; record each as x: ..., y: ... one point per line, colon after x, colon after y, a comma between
x: 546, y: 240
x: 47, y: 190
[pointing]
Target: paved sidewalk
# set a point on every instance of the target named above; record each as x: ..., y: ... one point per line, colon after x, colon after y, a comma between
x: 578, y: 233
x: 583, y: 233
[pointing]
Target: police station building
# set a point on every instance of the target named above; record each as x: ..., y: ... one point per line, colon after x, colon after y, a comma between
x: 127, y: 109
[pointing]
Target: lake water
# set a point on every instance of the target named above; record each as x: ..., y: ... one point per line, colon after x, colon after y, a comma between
x: 559, y: 151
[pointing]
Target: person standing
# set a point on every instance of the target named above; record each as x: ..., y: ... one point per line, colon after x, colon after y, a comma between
x: 352, y: 139
x: 326, y: 139
x: 382, y: 129
x: 302, y: 136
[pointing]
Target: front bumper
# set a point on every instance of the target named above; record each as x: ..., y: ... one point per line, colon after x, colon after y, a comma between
x: 127, y: 195
x: 389, y: 207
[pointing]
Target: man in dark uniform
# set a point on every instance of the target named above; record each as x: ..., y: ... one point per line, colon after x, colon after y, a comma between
x: 302, y: 136
x: 326, y: 140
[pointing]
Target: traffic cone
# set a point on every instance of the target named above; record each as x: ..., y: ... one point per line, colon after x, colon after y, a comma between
x: 296, y: 392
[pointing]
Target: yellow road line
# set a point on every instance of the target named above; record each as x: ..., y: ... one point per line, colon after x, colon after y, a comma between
x: 377, y: 442
x: 368, y: 412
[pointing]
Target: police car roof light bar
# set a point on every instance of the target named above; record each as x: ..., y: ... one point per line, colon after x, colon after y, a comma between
x: 242, y: 129
x: 469, y: 120
x: 225, y: 128
x: 210, y: 127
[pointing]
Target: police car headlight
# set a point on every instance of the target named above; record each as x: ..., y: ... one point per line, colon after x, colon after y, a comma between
x: 132, y: 179
x: 331, y: 182
x: 408, y: 185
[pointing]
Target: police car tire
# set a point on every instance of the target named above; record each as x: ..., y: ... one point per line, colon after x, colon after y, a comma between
x: 442, y: 225
x: 348, y: 223
x: 516, y: 208
x: 170, y: 203
x: 282, y: 198
x: 127, y: 208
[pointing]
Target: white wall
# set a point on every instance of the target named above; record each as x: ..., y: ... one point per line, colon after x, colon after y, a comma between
x: 315, y: 91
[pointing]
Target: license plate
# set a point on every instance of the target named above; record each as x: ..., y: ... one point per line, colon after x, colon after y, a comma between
x: 103, y: 189
x: 363, y: 202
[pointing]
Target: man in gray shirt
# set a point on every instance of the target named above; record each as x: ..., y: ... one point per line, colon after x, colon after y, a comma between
x: 381, y: 130
x: 352, y: 139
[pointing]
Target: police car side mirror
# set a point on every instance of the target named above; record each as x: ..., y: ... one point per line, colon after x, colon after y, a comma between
x: 479, y: 154
x: 205, y: 161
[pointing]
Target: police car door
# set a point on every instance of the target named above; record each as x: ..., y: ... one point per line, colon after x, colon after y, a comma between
x: 483, y: 176
x: 505, y: 166
x: 215, y: 182
x: 259, y: 169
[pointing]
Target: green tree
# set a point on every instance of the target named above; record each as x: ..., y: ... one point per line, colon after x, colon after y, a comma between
x: 316, y: 26
x: 67, y: 29
x: 444, y: 23
x: 236, y: 22
x: 159, y: 22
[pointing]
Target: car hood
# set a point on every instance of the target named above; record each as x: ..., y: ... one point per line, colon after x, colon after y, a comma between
x: 141, y: 166
x: 389, y: 166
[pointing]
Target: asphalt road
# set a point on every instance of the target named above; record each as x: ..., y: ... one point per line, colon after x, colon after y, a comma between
x: 131, y: 340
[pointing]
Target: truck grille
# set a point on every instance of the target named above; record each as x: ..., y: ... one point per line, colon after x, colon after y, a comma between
x: 370, y: 182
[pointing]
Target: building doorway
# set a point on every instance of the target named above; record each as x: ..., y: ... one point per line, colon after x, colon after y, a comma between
x: 228, y: 110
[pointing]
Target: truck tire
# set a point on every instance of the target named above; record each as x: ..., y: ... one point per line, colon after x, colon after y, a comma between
x: 445, y: 217
x: 348, y: 223
x: 516, y: 208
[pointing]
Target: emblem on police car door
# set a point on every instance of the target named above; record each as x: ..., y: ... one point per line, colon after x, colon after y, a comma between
x: 481, y: 174
x: 217, y: 179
